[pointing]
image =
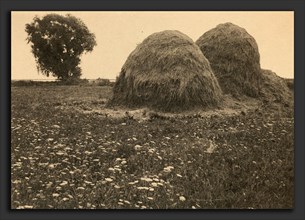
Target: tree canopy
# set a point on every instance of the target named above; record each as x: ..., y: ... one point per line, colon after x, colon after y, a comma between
x: 57, y: 43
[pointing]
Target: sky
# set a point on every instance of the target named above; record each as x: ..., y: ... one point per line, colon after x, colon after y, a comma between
x: 118, y: 34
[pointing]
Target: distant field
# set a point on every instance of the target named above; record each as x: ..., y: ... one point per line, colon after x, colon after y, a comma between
x: 67, y: 154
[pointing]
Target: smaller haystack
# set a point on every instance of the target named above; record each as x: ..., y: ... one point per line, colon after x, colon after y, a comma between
x: 234, y: 58
x: 167, y: 72
x: 275, y: 89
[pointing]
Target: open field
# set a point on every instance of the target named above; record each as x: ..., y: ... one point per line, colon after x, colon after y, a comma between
x: 69, y: 151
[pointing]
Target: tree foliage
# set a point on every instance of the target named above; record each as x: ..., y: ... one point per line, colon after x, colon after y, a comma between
x: 57, y: 43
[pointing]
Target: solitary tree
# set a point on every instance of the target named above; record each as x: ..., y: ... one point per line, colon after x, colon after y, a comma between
x: 57, y: 43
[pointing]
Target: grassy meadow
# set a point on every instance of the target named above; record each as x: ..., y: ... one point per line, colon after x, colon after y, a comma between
x: 66, y: 155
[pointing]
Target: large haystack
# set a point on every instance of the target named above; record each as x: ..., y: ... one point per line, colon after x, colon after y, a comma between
x: 168, y: 72
x: 234, y: 58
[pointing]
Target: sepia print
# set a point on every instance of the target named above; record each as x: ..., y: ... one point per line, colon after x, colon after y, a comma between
x: 152, y: 110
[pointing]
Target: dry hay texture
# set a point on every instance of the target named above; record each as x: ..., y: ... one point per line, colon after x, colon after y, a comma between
x: 234, y: 58
x: 167, y: 72
x: 275, y: 89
